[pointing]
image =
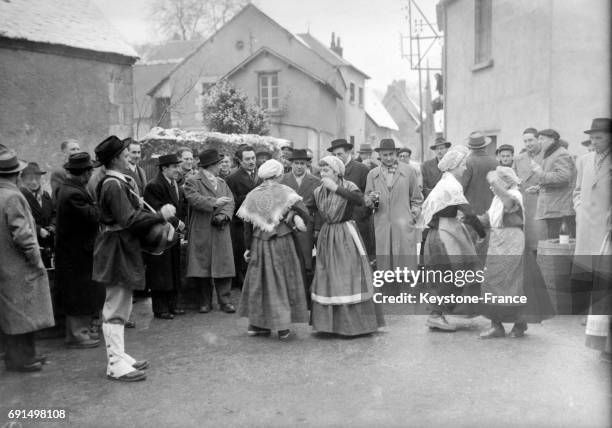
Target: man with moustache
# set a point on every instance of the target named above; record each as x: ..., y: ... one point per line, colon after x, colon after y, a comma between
x: 163, y: 272
x: 241, y: 183
x: 304, y: 184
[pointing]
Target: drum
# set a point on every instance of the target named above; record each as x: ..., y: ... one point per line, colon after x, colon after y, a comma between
x: 159, y: 238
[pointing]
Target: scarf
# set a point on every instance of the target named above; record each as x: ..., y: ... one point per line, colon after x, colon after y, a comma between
x: 266, y: 205
x: 447, y: 192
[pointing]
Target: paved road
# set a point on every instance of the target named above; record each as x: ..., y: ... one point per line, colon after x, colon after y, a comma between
x: 205, y: 371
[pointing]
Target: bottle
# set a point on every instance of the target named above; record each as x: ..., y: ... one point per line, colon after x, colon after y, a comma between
x: 564, y: 234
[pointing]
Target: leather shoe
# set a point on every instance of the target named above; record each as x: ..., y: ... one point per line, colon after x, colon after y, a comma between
x: 133, y: 376
x: 178, y: 312
x: 284, y: 334
x: 164, y: 316
x: 130, y: 324
x: 41, y: 358
x: 518, y: 330
x: 35, y: 366
x: 439, y: 322
x: 141, y: 365
x: 204, y: 309
x: 83, y: 344
x: 228, y: 308
x: 257, y: 331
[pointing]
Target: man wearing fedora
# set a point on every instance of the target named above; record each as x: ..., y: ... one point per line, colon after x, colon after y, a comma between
x: 68, y: 147
x: 591, y: 199
x: 357, y: 173
x: 429, y: 169
x: 505, y: 155
x: 210, y: 259
x: 77, y: 227
x: 554, y: 176
x: 163, y: 272
x: 118, y: 261
x: 396, y: 188
x: 304, y: 184
x: 241, y: 182
x: 42, y: 207
x: 478, y: 164
x: 365, y: 156
x: 25, y: 306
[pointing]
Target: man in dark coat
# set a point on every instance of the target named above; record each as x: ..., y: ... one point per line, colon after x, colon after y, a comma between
x: 77, y: 228
x: 241, y: 183
x: 358, y: 174
x: 163, y: 272
x: 68, y: 147
x: 43, y: 209
x: 478, y: 164
x: 430, y: 171
x: 118, y: 262
x: 304, y: 184
x: 133, y: 169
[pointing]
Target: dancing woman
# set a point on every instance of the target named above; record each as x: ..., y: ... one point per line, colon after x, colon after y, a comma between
x: 511, y: 269
x: 342, y: 289
x: 273, y: 293
x: 449, y: 246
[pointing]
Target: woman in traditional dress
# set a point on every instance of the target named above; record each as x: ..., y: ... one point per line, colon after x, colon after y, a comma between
x: 449, y: 246
x: 510, y: 269
x: 273, y: 293
x: 342, y: 289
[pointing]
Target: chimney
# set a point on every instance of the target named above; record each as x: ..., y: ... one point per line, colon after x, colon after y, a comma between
x: 332, y: 45
x: 335, y: 46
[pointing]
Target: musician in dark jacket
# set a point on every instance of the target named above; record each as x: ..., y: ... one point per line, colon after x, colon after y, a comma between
x: 241, y: 183
x: 479, y: 163
x: 43, y: 209
x: 430, y: 171
x: 77, y: 228
x: 163, y: 272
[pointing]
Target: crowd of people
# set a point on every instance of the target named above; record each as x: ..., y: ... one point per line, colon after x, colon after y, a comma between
x: 300, y: 238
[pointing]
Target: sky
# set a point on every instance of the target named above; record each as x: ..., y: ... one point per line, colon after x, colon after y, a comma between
x: 370, y: 31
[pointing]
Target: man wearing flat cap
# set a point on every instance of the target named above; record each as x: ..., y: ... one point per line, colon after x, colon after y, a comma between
x: 304, y: 183
x: 118, y: 261
x: 396, y: 188
x: 554, y: 177
x: 505, y: 155
x: 591, y: 199
x: 357, y: 173
x: 25, y: 306
x: 77, y: 228
x: 430, y: 171
x: 163, y: 272
x: 43, y: 209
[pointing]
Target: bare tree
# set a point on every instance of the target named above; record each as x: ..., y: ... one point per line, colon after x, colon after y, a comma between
x: 188, y: 19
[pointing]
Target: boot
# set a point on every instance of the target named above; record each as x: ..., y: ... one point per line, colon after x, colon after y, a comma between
x: 118, y: 368
x: 138, y: 365
x: 77, y: 333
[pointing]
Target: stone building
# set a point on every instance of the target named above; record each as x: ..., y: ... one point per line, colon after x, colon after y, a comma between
x: 512, y: 64
x: 66, y: 73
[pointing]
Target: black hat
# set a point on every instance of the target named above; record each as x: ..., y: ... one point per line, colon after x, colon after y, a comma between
x: 299, y: 154
x: 81, y: 160
x: 386, y: 144
x: 340, y: 142
x: 505, y: 147
x: 365, y: 148
x: 110, y: 148
x: 9, y: 164
x: 209, y: 157
x: 33, y: 169
x: 549, y: 133
x: 263, y: 153
x: 478, y: 140
x: 439, y: 141
x: 600, y: 124
x: 165, y: 160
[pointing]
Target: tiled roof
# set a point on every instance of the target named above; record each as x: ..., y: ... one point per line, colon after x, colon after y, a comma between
x: 73, y: 23
x: 327, y: 54
x: 377, y: 111
x: 170, y: 52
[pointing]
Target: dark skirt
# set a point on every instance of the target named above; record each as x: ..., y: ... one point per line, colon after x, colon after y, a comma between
x: 273, y: 293
x: 347, y: 320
